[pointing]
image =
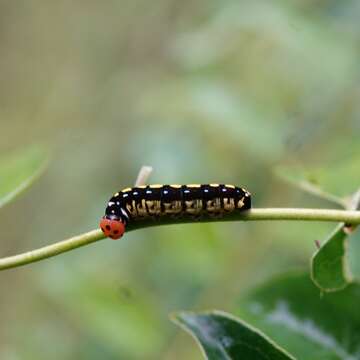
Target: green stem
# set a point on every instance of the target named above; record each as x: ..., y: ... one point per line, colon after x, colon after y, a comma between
x: 345, y: 216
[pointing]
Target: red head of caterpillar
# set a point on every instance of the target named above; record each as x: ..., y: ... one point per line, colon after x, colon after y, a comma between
x: 112, y: 227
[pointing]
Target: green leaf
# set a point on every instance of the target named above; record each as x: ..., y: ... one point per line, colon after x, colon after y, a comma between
x: 354, y: 254
x: 18, y: 171
x: 309, y: 181
x: 222, y: 336
x: 330, y: 268
x: 292, y: 311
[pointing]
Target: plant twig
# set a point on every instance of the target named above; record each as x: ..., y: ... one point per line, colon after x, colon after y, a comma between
x: 346, y: 216
x: 65, y: 245
x: 51, y: 250
x: 143, y: 175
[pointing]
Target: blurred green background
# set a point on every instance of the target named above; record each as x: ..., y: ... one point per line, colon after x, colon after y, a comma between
x: 204, y: 91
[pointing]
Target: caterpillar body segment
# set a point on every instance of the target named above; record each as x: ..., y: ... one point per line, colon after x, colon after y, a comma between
x: 157, y: 201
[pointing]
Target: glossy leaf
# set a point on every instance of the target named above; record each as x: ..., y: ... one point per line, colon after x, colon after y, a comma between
x: 330, y: 269
x: 311, y: 325
x: 18, y: 171
x: 353, y: 254
x: 222, y: 336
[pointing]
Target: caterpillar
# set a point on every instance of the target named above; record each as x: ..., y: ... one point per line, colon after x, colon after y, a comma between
x: 175, y: 201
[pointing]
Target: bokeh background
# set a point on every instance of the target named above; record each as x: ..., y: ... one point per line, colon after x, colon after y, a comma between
x: 204, y: 91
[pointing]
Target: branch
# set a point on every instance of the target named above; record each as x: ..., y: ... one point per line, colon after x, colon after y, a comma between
x: 143, y: 175
x: 65, y: 245
x: 346, y: 216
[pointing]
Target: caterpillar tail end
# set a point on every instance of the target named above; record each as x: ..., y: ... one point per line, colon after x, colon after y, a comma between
x: 112, y: 227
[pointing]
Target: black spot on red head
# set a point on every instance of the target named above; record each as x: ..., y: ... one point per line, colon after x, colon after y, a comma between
x: 112, y: 228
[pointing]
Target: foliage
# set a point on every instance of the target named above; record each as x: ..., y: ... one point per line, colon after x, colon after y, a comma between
x: 18, y: 171
x: 224, y: 337
x: 291, y: 311
x: 298, y: 317
x: 231, y: 92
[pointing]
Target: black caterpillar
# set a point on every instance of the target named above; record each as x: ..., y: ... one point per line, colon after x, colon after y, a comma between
x: 157, y: 201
